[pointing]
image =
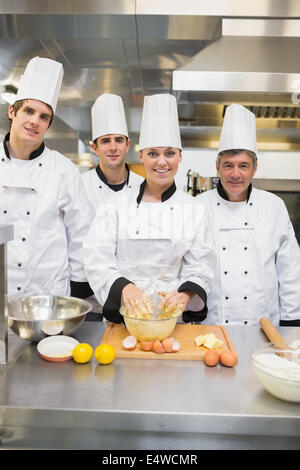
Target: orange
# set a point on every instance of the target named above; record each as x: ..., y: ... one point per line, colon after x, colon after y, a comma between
x: 105, y: 353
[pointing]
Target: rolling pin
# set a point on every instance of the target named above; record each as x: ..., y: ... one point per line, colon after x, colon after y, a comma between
x: 272, y: 334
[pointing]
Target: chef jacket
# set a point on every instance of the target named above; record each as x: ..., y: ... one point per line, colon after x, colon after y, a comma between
x: 157, y: 246
x: 258, y: 268
x: 99, y: 191
x: 41, y: 197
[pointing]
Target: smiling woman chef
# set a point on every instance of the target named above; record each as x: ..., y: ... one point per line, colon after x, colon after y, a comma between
x: 154, y: 237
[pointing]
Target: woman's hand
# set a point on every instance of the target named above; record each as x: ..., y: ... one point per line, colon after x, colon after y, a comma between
x: 175, y: 300
x: 136, y: 301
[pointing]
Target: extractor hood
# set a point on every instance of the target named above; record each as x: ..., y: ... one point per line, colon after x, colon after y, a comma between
x: 244, y: 65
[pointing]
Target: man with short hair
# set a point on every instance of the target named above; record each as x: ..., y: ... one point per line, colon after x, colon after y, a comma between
x: 258, y: 269
x: 41, y: 192
x: 111, y: 144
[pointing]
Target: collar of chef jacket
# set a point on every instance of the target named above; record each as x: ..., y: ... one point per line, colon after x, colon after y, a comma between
x: 165, y: 195
x: 222, y: 192
x: 36, y: 153
x: 103, y: 177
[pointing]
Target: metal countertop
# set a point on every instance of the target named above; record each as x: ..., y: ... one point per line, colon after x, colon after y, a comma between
x: 142, y: 403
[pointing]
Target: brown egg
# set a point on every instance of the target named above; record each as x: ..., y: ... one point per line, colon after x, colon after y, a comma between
x: 211, y: 357
x: 228, y: 359
x: 167, y: 344
x: 158, y: 347
x: 146, y: 345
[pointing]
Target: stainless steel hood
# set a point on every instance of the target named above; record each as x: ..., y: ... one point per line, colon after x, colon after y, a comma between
x: 243, y: 64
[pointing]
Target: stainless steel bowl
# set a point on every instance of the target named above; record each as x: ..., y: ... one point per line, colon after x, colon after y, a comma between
x: 34, y: 318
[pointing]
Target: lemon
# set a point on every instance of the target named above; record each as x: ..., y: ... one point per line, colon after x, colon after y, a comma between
x: 105, y: 353
x: 82, y: 353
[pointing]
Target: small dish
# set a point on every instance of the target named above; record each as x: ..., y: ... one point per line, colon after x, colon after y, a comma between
x: 57, y: 348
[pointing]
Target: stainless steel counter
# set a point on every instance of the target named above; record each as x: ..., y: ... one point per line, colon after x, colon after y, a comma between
x: 142, y: 403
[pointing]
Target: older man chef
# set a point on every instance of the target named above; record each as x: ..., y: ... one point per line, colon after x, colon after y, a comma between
x: 40, y: 192
x: 111, y: 145
x: 154, y: 237
x: 258, y: 268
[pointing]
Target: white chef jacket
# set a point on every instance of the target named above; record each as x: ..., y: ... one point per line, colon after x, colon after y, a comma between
x: 258, y: 269
x: 157, y: 246
x: 41, y: 197
x: 97, y: 190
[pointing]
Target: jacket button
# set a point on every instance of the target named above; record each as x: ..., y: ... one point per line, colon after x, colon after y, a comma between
x: 28, y: 213
x: 100, y: 187
x: 245, y: 322
x: 226, y: 298
x: 245, y: 248
x: 225, y: 272
x: 246, y: 223
x: 245, y: 298
x: 19, y: 265
x: 224, y: 248
x: 129, y: 187
x: 226, y: 321
x: 218, y: 203
x: 40, y: 164
x: 18, y: 288
x: 5, y: 212
x: 171, y: 208
x: 23, y: 239
x: 250, y: 203
x: 3, y: 159
x: 137, y: 232
x: 245, y: 272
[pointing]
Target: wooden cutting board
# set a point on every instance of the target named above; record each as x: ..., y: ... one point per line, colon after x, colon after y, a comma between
x: 184, y: 333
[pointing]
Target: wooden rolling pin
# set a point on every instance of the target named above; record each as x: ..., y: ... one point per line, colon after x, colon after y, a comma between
x: 272, y: 334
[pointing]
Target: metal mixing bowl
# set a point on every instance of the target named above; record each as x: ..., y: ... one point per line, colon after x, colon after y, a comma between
x: 34, y: 318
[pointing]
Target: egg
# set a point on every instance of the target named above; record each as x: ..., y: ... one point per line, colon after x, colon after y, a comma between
x: 211, y: 357
x: 158, y: 347
x: 129, y: 342
x: 167, y: 344
x: 146, y: 345
x: 176, y: 346
x: 228, y: 359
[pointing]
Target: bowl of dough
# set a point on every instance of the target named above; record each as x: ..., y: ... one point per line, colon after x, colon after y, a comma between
x: 278, y: 370
x: 150, y: 321
x: 34, y: 318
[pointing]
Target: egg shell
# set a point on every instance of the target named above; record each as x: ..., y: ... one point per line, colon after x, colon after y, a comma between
x: 228, y: 359
x: 167, y: 344
x: 211, y: 357
x: 129, y: 342
x: 176, y: 346
x: 158, y: 347
x: 146, y: 345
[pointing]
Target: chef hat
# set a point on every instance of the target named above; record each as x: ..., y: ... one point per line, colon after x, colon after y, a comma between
x: 41, y: 81
x: 239, y: 129
x: 108, y: 116
x: 160, y: 126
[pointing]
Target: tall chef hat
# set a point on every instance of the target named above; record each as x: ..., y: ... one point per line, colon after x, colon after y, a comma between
x: 160, y: 126
x: 41, y: 81
x: 108, y: 116
x: 239, y: 129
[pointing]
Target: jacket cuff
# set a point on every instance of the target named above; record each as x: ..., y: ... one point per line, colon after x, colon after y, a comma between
x: 189, y: 315
x: 289, y: 323
x: 80, y: 290
x: 113, y: 303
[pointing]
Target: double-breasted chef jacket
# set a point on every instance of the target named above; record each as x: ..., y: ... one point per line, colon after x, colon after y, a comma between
x: 41, y: 197
x: 258, y: 267
x: 98, y: 191
x: 157, y: 246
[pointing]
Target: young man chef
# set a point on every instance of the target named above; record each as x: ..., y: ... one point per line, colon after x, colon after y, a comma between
x: 111, y: 145
x: 258, y: 268
x: 154, y: 238
x: 40, y: 192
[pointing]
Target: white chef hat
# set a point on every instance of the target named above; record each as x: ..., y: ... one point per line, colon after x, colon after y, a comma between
x: 160, y: 126
x: 41, y: 81
x: 239, y: 129
x: 108, y: 116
